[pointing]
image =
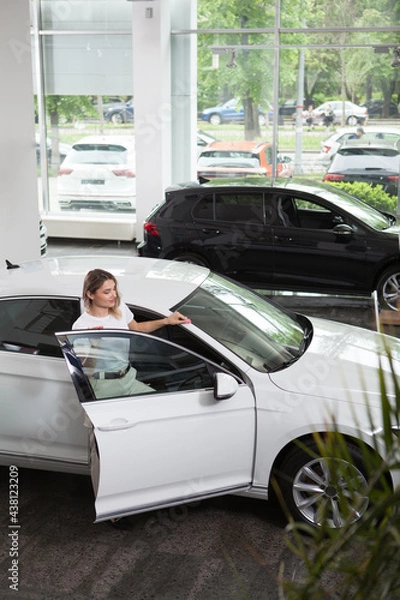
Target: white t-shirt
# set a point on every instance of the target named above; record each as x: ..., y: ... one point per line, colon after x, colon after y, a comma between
x: 87, y: 321
x: 113, y: 353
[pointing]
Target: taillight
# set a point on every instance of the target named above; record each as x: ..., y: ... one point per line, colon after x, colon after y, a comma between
x: 333, y: 177
x: 64, y: 171
x: 150, y: 228
x: 393, y: 177
x: 325, y: 149
x: 124, y: 173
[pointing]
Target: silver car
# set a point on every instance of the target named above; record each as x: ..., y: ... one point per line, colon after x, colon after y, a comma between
x: 353, y: 114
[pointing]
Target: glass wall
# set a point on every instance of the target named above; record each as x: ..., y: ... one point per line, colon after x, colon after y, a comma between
x: 266, y: 70
x: 289, y: 60
x: 85, y: 107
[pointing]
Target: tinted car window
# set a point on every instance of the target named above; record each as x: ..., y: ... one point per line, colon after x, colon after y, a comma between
x: 204, y: 209
x: 246, y: 206
x: 161, y: 366
x: 354, y: 151
x: 98, y: 154
x: 28, y: 325
x: 179, y: 208
x: 268, y: 154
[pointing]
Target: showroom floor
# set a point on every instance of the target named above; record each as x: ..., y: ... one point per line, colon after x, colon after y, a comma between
x: 64, y: 247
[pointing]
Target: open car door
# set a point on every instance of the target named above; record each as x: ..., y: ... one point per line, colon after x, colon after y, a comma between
x: 183, y: 429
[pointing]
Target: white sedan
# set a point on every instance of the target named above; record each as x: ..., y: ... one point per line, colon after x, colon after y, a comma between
x: 233, y: 397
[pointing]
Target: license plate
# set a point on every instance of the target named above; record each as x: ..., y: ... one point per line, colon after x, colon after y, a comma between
x: 92, y: 181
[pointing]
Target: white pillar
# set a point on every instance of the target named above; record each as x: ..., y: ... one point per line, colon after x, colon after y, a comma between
x: 184, y: 91
x: 152, y: 97
x: 19, y: 217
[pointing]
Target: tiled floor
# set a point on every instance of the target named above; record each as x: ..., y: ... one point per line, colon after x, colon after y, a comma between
x: 64, y: 247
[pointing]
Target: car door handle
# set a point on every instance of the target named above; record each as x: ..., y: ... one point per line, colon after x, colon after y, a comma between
x: 216, y: 231
x: 283, y: 238
x: 116, y: 425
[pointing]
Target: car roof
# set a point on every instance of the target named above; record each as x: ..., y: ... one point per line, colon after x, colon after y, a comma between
x: 299, y: 185
x: 367, y: 129
x: 142, y: 281
x: 249, y: 146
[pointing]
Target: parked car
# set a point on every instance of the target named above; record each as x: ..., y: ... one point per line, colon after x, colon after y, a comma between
x: 63, y: 148
x: 372, y: 134
x: 353, y: 114
x: 292, y: 236
x: 121, y: 114
x: 110, y: 102
x: 203, y: 139
x: 375, y: 108
x: 370, y: 162
x: 227, y: 112
x: 238, y: 159
x: 99, y: 173
x: 236, y: 396
x: 288, y: 108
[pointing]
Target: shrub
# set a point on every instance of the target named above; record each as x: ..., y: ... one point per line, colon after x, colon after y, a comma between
x: 372, y: 195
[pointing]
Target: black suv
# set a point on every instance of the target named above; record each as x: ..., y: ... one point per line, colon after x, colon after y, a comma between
x: 293, y: 236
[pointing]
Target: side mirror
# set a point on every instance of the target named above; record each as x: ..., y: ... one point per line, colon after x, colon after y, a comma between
x: 225, y: 386
x: 343, y: 230
x: 283, y: 159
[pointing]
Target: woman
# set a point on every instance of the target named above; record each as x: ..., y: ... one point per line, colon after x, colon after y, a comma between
x: 110, y: 372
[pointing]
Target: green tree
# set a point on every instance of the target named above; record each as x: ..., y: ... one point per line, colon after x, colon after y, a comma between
x: 253, y: 74
x: 65, y: 108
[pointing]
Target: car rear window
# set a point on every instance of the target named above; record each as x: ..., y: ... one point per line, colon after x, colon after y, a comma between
x: 226, y: 158
x: 98, y: 154
x: 27, y: 325
x: 354, y: 151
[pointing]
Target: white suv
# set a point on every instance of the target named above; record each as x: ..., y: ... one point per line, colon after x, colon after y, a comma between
x: 99, y: 173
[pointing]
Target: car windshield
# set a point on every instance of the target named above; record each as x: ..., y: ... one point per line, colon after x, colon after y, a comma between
x: 365, y: 213
x: 261, y: 334
x: 98, y: 154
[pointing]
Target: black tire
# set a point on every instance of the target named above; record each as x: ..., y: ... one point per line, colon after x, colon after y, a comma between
x: 388, y: 289
x: 194, y: 259
x: 352, y: 120
x: 215, y: 119
x: 117, y: 118
x: 314, y: 488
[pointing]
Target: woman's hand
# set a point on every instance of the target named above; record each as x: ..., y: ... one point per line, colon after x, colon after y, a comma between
x: 177, y: 319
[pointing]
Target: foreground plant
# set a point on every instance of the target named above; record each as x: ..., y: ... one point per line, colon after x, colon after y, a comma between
x: 361, y: 558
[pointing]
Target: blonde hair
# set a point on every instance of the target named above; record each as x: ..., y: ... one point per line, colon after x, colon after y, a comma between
x: 93, y: 281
